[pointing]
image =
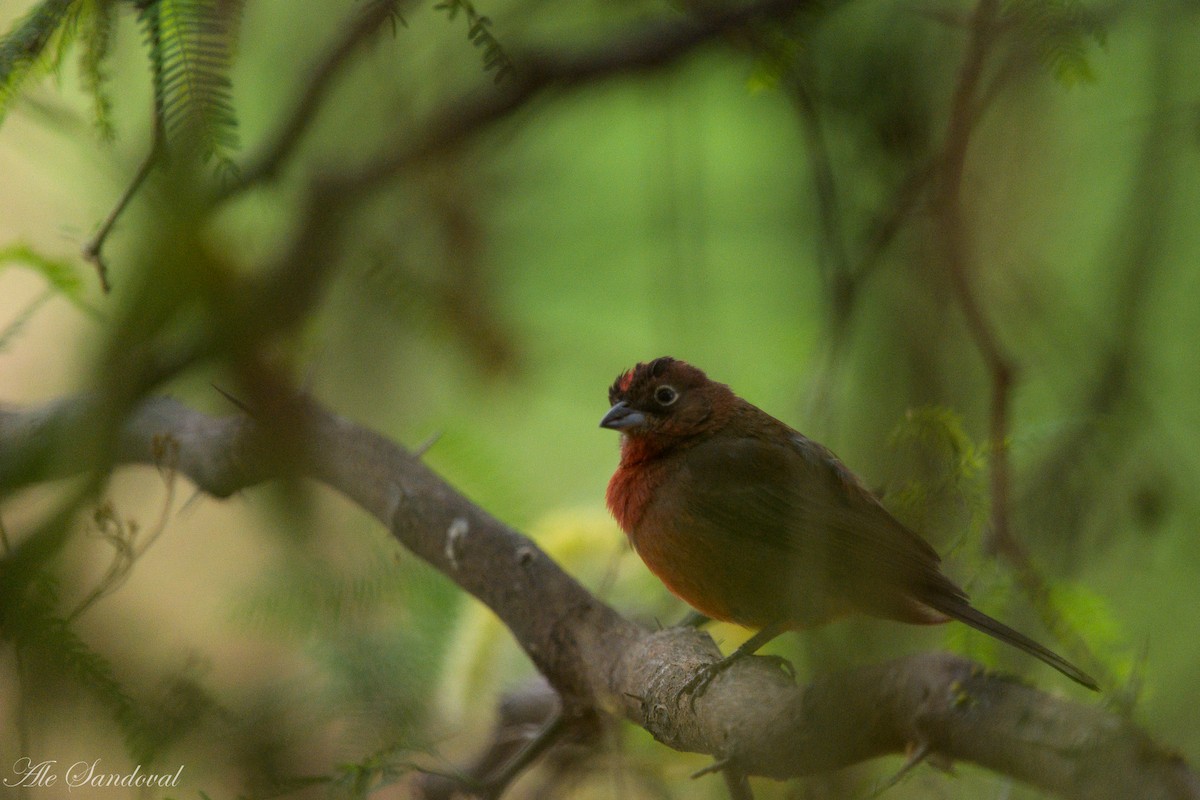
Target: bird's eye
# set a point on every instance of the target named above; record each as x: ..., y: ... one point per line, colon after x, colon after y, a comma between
x: 665, y: 395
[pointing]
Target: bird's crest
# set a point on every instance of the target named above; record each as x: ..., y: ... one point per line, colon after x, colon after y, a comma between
x: 631, y: 379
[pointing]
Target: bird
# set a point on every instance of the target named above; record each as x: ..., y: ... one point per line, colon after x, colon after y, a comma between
x: 751, y: 522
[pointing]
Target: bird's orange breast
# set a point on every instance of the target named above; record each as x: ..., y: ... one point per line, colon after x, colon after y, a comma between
x: 629, y: 491
x: 729, y: 569
x: 689, y: 567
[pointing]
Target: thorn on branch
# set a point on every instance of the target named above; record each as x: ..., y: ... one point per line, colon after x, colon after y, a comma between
x: 918, y: 752
x: 709, y: 769
x: 233, y: 400
x: 420, y: 450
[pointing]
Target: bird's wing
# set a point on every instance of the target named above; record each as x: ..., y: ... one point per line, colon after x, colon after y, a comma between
x: 796, y: 499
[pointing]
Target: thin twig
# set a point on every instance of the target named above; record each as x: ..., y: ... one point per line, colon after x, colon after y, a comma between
x: 368, y: 22
x: 93, y: 249
x: 125, y: 540
x: 832, y: 256
x: 541, y: 741
x: 735, y: 779
x: 948, y: 201
x: 288, y: 289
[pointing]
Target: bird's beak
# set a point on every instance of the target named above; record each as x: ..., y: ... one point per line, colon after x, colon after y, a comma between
x: 621, y: 417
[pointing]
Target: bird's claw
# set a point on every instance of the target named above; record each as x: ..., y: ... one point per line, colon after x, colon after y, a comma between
x: 784, y: 665
x: 698, y: 684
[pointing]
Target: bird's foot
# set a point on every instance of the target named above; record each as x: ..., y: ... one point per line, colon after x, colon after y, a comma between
x: 698, y: 684
x: 784, y: 665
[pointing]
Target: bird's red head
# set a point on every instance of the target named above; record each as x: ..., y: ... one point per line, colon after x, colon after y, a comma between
x: 666, y: 399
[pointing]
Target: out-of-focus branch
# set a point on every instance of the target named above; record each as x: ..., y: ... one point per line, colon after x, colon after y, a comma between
x: 1116, y: 410
x: 752, y: 717
x: 653, y: 46
x: 965, y: 109
x: 283, y: 293
x: 263, y: 166
x: 272, y: 155
x: 964, y: 112
x: 529, y: 723
x: 537, y: 71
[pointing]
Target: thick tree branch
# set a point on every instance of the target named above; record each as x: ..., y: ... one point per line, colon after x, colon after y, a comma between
x: 752, y: 716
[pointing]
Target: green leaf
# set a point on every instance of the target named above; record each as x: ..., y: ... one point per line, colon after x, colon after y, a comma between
x: 63, y: 276
x: 60, y: 274
x: 22, y: 51
x: 18, y: 323
x: 773, y: 62
x: 480, y: 35
x: 191, y: 51
x: 943, y: 471
x: 1062, y: 33
x: 97, y: 20
x: 941, y: 431
x: 34, y: 624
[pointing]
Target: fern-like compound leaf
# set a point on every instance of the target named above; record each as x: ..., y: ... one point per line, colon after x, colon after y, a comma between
x: 191, y: 45
x: 26, y: 46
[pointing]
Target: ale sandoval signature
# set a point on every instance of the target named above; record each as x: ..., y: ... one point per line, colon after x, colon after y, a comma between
x: 30, y: 773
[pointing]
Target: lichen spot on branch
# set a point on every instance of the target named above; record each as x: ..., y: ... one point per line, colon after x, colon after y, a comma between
x: 455, y: 535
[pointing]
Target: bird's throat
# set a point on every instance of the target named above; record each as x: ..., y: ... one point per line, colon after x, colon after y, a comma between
x: 644, y: 448
x: 638, y: 476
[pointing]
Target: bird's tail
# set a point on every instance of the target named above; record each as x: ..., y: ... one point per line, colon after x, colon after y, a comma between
x: 963, y: 611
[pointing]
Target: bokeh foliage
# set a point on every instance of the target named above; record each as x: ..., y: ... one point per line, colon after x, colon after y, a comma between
x: 761, y: 207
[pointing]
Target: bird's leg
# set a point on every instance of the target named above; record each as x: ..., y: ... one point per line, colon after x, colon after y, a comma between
x: 699, y: 682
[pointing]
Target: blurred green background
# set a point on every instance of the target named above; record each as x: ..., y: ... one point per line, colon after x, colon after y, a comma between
x: 756, y: 207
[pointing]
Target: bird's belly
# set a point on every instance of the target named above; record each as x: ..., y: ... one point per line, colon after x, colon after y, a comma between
x: 694, y: 578
x: 735, y: 580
